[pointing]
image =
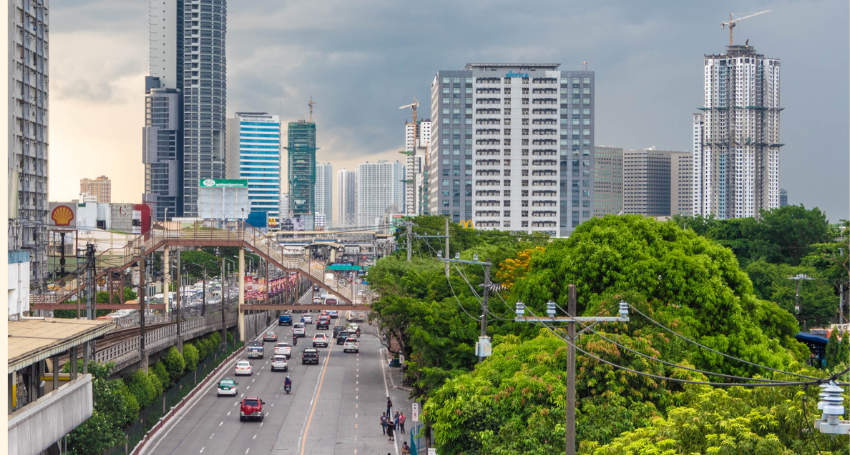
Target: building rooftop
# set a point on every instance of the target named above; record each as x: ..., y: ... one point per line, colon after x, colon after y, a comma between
x: 33, y: 340
x: 525, y: 66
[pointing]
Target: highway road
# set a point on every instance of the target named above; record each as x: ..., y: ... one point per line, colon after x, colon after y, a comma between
x: 334, y: 407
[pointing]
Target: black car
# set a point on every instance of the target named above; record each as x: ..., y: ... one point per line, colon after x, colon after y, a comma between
x: 316, y: 287
x: 323, y: 324
x: 310, y: 355
x: 343, y: 335
x: 337, y: 329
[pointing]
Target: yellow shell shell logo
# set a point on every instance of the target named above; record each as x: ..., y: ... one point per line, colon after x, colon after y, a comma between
x: 62, y: 215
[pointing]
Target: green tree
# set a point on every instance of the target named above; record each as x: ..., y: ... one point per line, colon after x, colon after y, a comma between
x: 162, y: 373
x: 141, y: 386
x: 174, y: 364
x: 833, y: 351
x: 190, y: 354
x: 817, y: 298
x: 195, y: 262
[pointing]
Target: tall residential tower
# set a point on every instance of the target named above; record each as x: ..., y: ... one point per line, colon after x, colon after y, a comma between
x: 736, y: 137
x: 253, y: 154
x: 346, y: 203
x: 512, y: 146
x: 324, y: 192
x: 379, y: 187
x: 301, y: 174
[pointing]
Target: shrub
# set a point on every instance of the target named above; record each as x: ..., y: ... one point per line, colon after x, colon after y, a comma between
x: 190, y: 354
x: 229, y: 337
x: 162, y: 373
x: 174, y: 364
x: 215, y: 337
x: 203, y: 348
x: 157, y: 384
x: 142, y: 388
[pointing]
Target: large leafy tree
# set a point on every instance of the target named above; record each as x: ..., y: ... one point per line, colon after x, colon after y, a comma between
x: 818, y: 301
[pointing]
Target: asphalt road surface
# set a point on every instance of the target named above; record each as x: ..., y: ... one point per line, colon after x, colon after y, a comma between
x: 334, y: 407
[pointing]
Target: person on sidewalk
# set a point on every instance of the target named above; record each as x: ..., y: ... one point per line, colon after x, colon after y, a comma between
x: 395, y: 421
x: 401, y: 419
x: 389, y: 407
x: 391, y: 430
x: 405, y: 449
x: 384, y: 423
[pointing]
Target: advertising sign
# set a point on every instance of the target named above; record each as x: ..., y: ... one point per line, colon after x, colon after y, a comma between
x: 223, y: 183
x: 414, y: 415
x: 63, y: 215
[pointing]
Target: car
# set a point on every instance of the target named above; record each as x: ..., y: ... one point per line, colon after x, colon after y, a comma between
x: 283, y: 348
x: 344, y: 335
x: 320, y: 339
x: 315, y: 287
x: 323, y: 323
x: 356, y: 316
x: 299, y: 330
x: 331, y: 301
x: 310, y: 355
x: 333, y: 314
x: 243, y: 367
x: 270, y: 336
x: 284, y: 319
x: 227, y: 387
x: 252, y: 408
x: 307, y: 318
x: 255, y: 350
x: 351, y: 344
x: 337, y: 329
x: 279, y: 363
x: 317, y: 301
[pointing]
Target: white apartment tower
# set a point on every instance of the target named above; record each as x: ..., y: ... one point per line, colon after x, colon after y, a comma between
x: 324, y: 192
x: 736, y: 137
x: 512, y: 146
x: 379, y: 187
x: 346, y: 203
x: 28, y: 130
x: 414, y: 178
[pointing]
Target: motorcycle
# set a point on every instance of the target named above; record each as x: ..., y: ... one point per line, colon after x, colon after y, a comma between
x: 295, y: 341
x: 287, y: 388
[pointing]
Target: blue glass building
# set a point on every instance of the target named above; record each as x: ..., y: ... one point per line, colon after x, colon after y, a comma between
x: 253, y: 154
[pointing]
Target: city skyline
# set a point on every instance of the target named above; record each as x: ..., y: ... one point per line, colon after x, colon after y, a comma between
x: 660, y: 45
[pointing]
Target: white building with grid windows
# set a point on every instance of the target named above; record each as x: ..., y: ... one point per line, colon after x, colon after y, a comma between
x: 346, y: 202
x: 414, y: 195
x: 253, y: 154
x: 324, y: 192
x: 379, y: 187
x: 736, y: 137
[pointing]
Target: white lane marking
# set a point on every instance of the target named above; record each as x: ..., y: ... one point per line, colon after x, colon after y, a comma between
x: 246, y: 450
x: 221, y: 423
x: 252, y: 380
x: 261, y: 424
x: 246, y: 388
x: 212, y: 435
x: 358, y: 382
x: 355, y: 425
x: 202, y: 450
x: 234, y: 404
x: 255, y: 437
x: 272, y: 404
x: 356, y: 397
x: 277, y: 395
x: 357, y: 389
x: 228, y: 413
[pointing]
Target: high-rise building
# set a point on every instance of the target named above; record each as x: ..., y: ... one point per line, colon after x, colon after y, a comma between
x: 512, y: 146
x: 28, y: 130
x: 253, y: 154
x: 648, y: 185
x: 413, y: 175
x: 681, y: 183
x: 324, y: 192
x: 736, y: 159
x: 284, y: 205
x: 100, y: 187
x: 379, y: 187
x: 608, y: 181
x: 783, y: 197
x: 162, y: 149
x: 187, y: 53
x: 346, y: 203
x: 301, y: 147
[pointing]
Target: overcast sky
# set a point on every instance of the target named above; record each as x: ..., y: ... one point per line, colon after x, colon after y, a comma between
x: 361, y: 60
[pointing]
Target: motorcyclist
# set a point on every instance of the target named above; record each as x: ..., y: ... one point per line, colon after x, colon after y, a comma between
x: 287, y: 383
x: 294, y: 340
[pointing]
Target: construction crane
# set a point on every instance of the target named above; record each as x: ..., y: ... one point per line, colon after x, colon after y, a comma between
x: 310, y: 105
x: 733, y: 21
x: 413, y: 106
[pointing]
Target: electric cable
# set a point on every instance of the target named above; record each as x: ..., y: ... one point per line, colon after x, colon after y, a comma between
x: 474, y: 292
x: 717, y: 352
x: 454, y: 294
x: 808, y: 425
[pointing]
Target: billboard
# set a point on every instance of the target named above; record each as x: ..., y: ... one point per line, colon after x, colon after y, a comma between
x: 223, y: 183
x: 63, y: 215
x: 122, y: 217
x: 220, y: 199
x: 291, y: 224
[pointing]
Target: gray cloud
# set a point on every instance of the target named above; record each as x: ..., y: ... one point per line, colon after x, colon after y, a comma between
x: 361, y: 60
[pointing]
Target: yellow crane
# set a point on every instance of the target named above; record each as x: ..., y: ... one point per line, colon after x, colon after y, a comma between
x: 733, y: 21
x: 310, y: 105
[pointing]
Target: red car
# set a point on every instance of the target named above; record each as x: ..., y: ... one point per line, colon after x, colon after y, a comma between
x: 252, y: 408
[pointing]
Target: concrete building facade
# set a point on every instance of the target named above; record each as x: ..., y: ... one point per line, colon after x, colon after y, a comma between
x: 253, y: 154
x: 28, y: 135
x: 162, y: 149
x: 301, y: 175
x: 379, y: 188
x: 511, y: 146
x: 414, y: 194
x: 649, y: 183
x: 681, y: 183
x: 608, y: 181
x: 324, y: 192
x: 736, y: 166
x: 100, y: 188
x: 346, y: 202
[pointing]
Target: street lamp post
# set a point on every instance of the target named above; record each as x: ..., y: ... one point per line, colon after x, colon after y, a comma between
x: 797, y: 308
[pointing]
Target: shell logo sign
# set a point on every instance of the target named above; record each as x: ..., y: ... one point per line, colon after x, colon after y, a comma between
x: 63, y: 214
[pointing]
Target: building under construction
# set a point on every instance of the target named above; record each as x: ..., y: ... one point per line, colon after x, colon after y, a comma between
x: 302, y: 171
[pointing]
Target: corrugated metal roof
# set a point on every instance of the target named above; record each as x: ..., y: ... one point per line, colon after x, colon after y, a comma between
x: 33, y: 340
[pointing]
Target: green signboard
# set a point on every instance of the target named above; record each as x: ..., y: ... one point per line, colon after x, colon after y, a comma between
x: 342, y: 268
x: 223, y: 183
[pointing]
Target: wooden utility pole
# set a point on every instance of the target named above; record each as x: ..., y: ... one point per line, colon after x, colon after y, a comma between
x: 142, y: 288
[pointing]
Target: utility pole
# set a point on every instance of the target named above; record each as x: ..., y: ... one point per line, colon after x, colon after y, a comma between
x: 448, y: 254
x: 571, y: 374
x: 142, y: 288
x: 91, y: 304
x: 484, y: 300
x: 409, y: 225
x: 797, y: 308
x: 204, y: 294
x: 179, y: 289
x: 223, y: 296
x: 482, y: 340
x: 570, y: 436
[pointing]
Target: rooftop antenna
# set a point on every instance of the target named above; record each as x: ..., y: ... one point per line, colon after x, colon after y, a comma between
x: 310, y: 105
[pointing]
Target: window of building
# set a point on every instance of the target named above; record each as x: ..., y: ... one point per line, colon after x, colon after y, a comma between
x: 445, y: 90
x: 584, y: 111
x: 445, y: 80
x: 585, y: 203
x: 587, y: 80
x: 456, y: 80
x: 586, y: 121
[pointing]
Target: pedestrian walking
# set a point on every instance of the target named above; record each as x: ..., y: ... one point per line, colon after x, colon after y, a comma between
x: 401, y: 419
x: 384, y: 423
x: 389, y: 407
x: 391, y: 430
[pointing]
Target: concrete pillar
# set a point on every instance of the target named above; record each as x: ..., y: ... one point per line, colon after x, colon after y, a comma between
x: 241, y: 278
x: 143, y: 361
x: 11, y: 392
x: 166, y: 279
x: 55, y: 366
x: 180, y: 344
x: 74, y: 363
x: 86, y: 355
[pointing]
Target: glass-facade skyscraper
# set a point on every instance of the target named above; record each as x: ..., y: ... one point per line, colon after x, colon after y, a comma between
x: 301, y: 148
x: 253, y: 154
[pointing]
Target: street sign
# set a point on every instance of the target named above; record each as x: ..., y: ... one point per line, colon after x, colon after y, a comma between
x: 432, y: 451
x: 415, y: 413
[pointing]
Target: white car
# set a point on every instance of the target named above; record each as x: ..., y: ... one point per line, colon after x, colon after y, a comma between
x: 299, y: 330
x: 333, y: 314
x: 351, y: 344
x: 243, y: 367
x: 317, y: 301
x: 283, y: 349
x: 279, y: 363
x: 307, y: 318
x: 320, y: 339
